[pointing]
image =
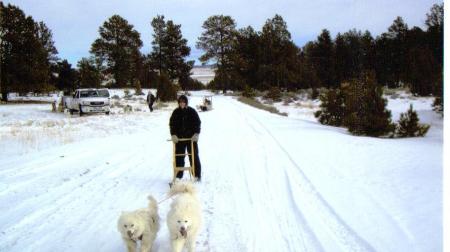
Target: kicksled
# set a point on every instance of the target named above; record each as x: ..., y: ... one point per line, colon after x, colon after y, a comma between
x: 191, y: 156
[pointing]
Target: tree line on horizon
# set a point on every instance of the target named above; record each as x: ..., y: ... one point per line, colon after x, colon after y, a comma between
x: 244, y: 58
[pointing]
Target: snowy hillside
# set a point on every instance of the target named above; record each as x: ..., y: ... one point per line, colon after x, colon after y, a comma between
x: 270, y: 183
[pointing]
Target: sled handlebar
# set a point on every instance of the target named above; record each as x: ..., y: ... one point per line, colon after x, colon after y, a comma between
x: 180, y: 139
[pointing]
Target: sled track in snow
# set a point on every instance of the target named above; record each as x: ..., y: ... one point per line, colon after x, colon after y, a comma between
x: 301, y: 186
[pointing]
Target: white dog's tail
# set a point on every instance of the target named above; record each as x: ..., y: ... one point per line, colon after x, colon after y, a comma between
x: 182, y: 187
x: 152, y: 203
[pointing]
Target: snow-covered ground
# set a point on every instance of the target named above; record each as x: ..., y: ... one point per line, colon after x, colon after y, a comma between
x: 270, y: 183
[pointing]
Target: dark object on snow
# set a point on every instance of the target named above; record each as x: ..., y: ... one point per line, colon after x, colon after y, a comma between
x: 150, y: 100
x: 184, y: 123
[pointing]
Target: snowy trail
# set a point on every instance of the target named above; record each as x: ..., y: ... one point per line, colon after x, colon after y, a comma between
x: 280, y: 176
x: 270, y: 183
x: 248, y: 188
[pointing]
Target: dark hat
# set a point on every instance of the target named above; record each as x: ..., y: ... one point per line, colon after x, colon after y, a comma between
x: 183, y: 98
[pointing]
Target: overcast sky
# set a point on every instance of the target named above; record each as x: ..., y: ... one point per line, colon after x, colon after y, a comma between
x: 75, y: 23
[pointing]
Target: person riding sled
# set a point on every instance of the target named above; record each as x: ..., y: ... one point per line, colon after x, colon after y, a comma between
x: 185, y: 123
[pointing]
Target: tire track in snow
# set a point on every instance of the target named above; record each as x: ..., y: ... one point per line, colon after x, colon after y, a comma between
x: 273, y: 187
x: 300, y: 185
x: 66, y: 195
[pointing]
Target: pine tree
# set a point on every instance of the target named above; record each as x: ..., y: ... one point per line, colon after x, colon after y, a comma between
x: 166, y: 89
x: 170, y: 50
x: 67, y: 77
x: 341, y: 59
x: 331, y: 110
x: 246, y: 58
x: 279, y: 55
x: 408, y: 125
x: 423, y: 71
x: 435, y: 31
x: 435, y: 38
x: 117, y: 50
x: 45, y: 36
x: 397, y: 35
x: 321, y: 56
x: 365, y: 110
x: 24, y: 58
x: 217, y: 41
x: 89, y: 74
x: 158, y: 43
x: 177, y: 51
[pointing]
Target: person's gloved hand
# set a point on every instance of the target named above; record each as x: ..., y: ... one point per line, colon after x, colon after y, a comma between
x: 195, y: 137
x: 174, y: 139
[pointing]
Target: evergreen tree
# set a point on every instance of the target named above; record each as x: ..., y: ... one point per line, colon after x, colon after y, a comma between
x: 217, y: 41
x: 409, y: 126
x: 342, y: 59
x: 67, y: 77
x: 307, y: 73
x: 45, y: 36
x: 397, y: 52
x: 435, y: 31
x: 170, y: 50
x: 185, y: 81
x: 158, y: 43
x: 177, y: 51
x: 117, y: 50
x: 280, y: 55
x: 423, y: 71
x: 23, y: 57
x: 166, y: 89
x: 331, y: 110
x: 246, y: 58
x: 435, y: 38
x: 89, y: 74
x: 321, y: 56
x: 365, y: 110
x: 354, y: 53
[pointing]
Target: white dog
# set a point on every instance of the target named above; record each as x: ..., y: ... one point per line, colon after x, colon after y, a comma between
x: 140, y: 225
x: 184, y: 217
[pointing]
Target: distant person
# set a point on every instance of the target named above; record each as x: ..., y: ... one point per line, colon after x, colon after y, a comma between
x: 185, y: 123
x: 150, y: 100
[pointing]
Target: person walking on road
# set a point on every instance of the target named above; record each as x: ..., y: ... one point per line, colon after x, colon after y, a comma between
x: 150, y: 100
x: 185, y: 123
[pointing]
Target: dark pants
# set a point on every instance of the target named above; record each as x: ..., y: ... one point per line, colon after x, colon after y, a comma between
x: 150, y: 106
x: 180, y: 148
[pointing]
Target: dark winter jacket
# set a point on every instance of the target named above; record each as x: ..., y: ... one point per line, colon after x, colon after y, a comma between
x: 184, y: 123
x: 150, y: 98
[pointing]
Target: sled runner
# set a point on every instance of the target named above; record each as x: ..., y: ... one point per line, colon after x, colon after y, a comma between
x: 191, y: 168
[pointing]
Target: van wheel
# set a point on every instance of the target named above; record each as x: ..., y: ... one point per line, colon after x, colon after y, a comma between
x: 107, y: 113
x: 71, y: 111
